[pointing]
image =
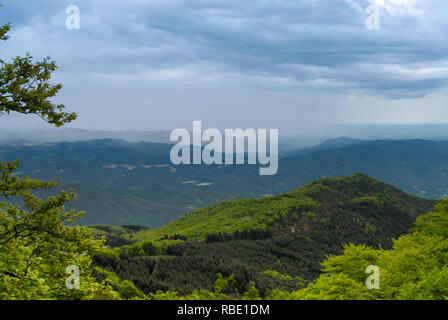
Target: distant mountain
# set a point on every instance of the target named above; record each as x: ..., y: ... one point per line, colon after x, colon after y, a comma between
x: 374, y: 131
x: 289, y: 233
x: 122, y: 182
x: 337, y: 143
x: 417, y: 166
x: 301, y: 137
x: 329, y: 144
x: 71, y: 135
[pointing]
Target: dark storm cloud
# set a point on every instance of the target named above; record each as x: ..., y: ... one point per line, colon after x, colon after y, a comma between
x: 309, y: 44
x: 252, y: 36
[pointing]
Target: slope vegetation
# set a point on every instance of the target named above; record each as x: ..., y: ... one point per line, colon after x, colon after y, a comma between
x: 288, y: 234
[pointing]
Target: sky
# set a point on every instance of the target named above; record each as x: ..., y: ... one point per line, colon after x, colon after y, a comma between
x: 285, y: 64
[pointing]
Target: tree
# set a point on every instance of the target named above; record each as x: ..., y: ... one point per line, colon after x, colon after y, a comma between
x: 416, y: 267
x: 25, y: 87
x: 37, y: 241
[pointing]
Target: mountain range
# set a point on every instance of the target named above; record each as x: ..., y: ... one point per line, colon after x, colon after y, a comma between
x: 120, y: 182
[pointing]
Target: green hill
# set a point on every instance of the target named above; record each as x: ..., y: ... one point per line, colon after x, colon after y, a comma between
x: 373, y: 205
x: 289, y: 233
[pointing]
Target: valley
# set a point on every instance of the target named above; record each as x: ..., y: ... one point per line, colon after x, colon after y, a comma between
x: 121, y: 182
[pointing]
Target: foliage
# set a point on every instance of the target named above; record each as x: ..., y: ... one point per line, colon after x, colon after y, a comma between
x: 295, y: 243
x: 369, y: 201
x: 252, y: 234
x: 37, y: 243
x: 322, y: 201
x: 416, y: 267
x: 36, y: 246
x: 125, y: 288
x: 224, y: 289
x: 230, y: 217
x: 192, y: 265
x: 25, y: 88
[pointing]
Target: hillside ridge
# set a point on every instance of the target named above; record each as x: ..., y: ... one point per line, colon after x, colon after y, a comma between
x: 290, y: 233
x: 318, y: 202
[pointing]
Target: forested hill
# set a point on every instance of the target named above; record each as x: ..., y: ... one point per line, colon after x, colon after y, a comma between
x: 289, y: 233
x: 122, y: 183
x: 356, y: 202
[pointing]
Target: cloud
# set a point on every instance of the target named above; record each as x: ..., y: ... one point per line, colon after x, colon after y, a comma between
x: 272, y: 45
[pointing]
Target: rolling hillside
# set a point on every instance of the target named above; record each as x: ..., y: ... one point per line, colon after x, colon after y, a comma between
x: 121, y: 183
x: 289, y: 233
x: 319, y: 201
